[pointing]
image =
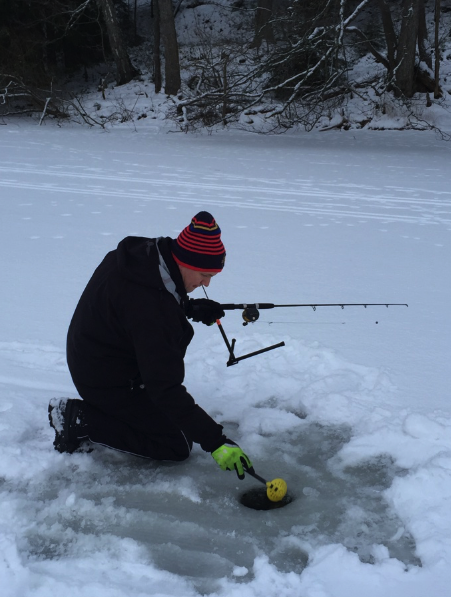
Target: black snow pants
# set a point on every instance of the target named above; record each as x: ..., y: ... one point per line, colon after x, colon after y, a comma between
x: 126, y: 419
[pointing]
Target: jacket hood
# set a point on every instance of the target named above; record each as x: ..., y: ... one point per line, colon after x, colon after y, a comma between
x: 135, y: 259
x: 138, y: 260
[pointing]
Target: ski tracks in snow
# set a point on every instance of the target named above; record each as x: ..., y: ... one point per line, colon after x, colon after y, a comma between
x: 311, y: 196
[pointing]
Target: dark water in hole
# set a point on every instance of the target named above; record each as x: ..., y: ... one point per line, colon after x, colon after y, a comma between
x: 257, y: 499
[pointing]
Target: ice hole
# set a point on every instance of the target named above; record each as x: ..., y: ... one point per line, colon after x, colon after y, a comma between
x: 258, y: 500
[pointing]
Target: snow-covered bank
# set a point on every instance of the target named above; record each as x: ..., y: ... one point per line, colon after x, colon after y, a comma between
x: 354, y: 414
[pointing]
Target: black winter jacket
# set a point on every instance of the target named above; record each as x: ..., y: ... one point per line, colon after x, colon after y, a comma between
x: 128, y: 328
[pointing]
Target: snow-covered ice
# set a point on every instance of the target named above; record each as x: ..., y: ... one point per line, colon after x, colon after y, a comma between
x: 353, y: 412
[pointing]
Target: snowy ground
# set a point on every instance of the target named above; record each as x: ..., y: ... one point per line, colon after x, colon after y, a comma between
x: 353, y: 412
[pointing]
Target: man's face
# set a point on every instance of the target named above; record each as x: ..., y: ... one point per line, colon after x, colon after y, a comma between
x: 193, y: 279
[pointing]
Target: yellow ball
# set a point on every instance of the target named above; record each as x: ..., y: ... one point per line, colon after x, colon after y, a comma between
x: 277, y: 490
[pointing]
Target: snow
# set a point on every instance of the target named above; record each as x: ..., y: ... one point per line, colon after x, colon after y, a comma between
x: 353, y: 412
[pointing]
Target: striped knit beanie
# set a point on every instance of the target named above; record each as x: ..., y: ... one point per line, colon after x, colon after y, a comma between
x: 199, y: 245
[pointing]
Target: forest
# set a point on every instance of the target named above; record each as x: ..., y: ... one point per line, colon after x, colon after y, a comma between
x: 221, y: 62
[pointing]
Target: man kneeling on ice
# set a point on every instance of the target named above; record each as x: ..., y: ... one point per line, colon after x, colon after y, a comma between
x: 125, y: 349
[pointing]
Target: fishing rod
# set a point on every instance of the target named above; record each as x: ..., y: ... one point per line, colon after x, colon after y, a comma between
x: 251, y: 314
x: 251, y: 311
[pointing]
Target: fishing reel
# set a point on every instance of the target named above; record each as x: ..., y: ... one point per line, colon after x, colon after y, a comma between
x: 250, y: 314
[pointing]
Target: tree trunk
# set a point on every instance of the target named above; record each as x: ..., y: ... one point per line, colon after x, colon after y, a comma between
x: 423, y: 42
x: 156, y: 46
x: 263, y: 27
x: 390, y: 35
x: 135, y: 22
x: 172, y: 80
x: 437, y: 93
x: 407, y: 43
x: 124, y: 67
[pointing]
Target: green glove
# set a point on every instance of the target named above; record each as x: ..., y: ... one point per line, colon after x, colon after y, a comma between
x: 231, y: 457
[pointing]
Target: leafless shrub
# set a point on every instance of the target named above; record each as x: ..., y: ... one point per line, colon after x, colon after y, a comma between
x: 17, y: 99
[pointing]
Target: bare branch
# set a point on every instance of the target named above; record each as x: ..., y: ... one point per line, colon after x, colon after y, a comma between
x: 379, y: 57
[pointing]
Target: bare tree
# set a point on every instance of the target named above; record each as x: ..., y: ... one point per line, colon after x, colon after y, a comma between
x: 125, y: 69
x: 437, y: 49
x: 172, y: 79
x: 155, y: 13
x: 405, y: 73
x: 306, y: 73
x: 407, y: 43
x: 263, y: 25
x: 424, y: 50
x: 299, y: 73
x: 390, y: 35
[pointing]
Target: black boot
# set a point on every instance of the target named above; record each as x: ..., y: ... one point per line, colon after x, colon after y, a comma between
x: 67, y: 419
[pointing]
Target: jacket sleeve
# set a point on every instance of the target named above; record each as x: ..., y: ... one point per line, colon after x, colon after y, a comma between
x: 160, y: 333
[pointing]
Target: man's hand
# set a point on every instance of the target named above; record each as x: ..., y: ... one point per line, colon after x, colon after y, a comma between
x: 231, y: 457
x: 203, y: 310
